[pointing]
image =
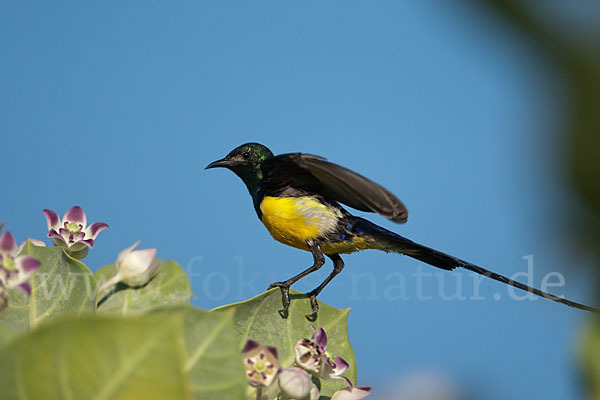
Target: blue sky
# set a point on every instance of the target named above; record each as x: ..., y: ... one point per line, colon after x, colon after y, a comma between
x: 118, y: 108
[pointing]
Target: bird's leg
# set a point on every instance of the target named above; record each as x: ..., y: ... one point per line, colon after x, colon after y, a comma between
x: 319, y: 260
x: 338, y: 266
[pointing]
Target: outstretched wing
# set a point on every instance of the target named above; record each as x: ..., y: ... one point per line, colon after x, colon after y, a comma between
x: 317, y: 175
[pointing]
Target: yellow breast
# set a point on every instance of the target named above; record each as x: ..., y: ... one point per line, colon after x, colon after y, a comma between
x: 294, y: 220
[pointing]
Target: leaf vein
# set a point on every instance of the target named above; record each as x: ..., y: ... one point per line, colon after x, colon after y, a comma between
x: 204, y: 345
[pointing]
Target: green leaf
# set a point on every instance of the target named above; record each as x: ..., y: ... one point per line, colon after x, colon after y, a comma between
x: 62, y: 285
x: 175, y: 353
x: 7, y: 333
x: 258, y: 319
x: 213, y: 360
x: 97, y: 358
x: 169, y: 287
x: 589, y: 355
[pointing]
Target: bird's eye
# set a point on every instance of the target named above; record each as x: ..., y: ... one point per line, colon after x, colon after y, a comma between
x: 246, y: 155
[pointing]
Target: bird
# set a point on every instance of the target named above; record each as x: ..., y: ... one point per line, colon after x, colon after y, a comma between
x: 298, y: 197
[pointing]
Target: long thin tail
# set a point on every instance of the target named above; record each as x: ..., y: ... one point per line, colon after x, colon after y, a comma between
x: 389, y: 241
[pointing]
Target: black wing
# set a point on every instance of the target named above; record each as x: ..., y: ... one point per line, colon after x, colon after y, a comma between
x: 315, y: 174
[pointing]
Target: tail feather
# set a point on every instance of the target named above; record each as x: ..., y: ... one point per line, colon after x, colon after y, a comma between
x: 385, y: 240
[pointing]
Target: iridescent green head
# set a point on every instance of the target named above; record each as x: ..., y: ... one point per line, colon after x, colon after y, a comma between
x: 246, y: 161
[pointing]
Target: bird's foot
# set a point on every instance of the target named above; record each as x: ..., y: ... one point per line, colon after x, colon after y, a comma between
x: 315, y: 306
x: 285, y: 293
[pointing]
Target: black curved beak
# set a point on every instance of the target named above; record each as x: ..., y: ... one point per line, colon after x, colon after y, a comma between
x: 222, y: 163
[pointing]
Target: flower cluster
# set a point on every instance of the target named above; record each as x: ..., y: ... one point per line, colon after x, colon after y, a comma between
x: 15, y: 270
x: 311, y: 357
x: 71, y: 232
x: 133, y: 267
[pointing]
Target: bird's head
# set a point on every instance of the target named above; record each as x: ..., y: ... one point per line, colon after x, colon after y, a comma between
x: 245, y: 161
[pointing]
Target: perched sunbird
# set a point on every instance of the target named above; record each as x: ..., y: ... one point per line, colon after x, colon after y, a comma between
x: 297, y: 197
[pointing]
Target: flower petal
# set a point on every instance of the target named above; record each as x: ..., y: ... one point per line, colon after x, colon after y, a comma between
x: 37, y: 242
x: 305, y: 354
x: 88, y: 242
x: 94, y: 229
x: 75, y: 215
x: 314, y: 392
x: 55, y: 235
x: 328, y: 371
x: 354, y: 393
x: 8, y: 244
x: 125, y: 252
x: 3, y: 298
x: 253, y: 382
x: 347, y: 380
x: 52, y: 219
x: 27, y: 265
x: 26, y: 287
x: 153, y: 267
x: 340, y: 365
x: 250, y: 345
x: 320, y: 337
x: 273, y: 351
x: 4, y: 275
x: 141, y: 259
x: 295, y: 383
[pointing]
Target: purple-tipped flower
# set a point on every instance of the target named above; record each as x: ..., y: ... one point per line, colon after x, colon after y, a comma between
x: 72, y: 231
x: 351, y: 393
x: 312, y: 355
x: 134, y: 267
x: 261, y: 363
x: 15, y: 270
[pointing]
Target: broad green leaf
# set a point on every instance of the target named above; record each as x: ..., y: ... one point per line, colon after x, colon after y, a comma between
x: 589, y: 354
x: 7, y: 332
x: 61, y: 286
x: 169, y: 287
x: 97, y: 358
x: 213, y: 361
x: 258, y: 319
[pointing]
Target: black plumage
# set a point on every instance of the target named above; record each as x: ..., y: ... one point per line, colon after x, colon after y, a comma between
x: 315, y: 175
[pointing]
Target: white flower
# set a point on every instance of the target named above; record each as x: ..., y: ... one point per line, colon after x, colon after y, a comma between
x: 295, y: 383
x: 134, y: 267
